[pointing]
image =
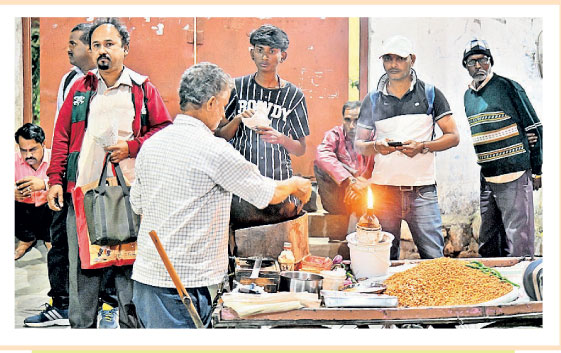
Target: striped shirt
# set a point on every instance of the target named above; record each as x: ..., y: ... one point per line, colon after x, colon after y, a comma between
x: 288, y: 114
x: 185, y: 177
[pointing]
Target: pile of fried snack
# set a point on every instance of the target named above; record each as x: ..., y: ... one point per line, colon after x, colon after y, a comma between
x: 443, y: 282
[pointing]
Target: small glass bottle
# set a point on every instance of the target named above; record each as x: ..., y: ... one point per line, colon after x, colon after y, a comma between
x: 286, y: 258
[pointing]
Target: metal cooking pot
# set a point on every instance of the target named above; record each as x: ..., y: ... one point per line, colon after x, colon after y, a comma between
x: 296, y: 281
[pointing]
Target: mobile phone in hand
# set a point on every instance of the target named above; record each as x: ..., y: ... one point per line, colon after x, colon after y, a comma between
x: 395, y: 143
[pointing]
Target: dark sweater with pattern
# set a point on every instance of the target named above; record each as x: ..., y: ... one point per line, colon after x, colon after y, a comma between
x: 499, y: 116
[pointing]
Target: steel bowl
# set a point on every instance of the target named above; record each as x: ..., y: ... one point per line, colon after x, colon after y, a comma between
x: 297, y: 281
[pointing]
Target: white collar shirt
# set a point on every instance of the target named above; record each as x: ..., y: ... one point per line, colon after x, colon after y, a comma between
x: 185, y: 177
x: 109, y: 120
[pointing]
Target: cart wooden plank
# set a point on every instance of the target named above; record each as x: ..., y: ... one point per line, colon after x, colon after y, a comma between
x: 378, y: 316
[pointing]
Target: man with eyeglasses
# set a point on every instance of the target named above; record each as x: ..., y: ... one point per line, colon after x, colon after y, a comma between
x: 267, y: 122
x: 396, y: 125
x: 501, y: 118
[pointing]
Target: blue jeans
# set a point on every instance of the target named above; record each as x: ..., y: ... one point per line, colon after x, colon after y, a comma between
x: 418, y: 206
x: 159, y: 307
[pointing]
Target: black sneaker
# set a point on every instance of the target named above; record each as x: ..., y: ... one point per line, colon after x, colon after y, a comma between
x: 51, y: 316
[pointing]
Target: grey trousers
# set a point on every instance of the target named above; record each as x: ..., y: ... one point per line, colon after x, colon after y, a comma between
x: 507, y: 218
x: 85, y: 286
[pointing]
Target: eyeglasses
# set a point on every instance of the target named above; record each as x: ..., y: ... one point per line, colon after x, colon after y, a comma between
x: 482, y: 61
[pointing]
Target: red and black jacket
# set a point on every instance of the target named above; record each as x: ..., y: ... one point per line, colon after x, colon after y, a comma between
x: 151, y: 116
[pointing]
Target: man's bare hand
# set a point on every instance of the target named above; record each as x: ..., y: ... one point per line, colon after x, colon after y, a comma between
x: 270, y: 135
x: 354, y: 194
x: 537, y: 182
x: 55, y: 193
x: 32, y: 183
x: 119, y: 151
x: 410, y: 148
x: 26, y: 186
x: 532, y: 138
x: 248, y: 113
x: 303, y: 189
x: 382, y: 147
x: 19, y: 194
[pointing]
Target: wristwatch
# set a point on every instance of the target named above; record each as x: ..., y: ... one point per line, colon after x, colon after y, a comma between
x: 425, y: 149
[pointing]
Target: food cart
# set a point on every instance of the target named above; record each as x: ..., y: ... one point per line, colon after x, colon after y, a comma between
x: 519, y: 312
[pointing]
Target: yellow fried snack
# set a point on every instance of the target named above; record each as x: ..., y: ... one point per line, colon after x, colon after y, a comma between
x: 444, y: 282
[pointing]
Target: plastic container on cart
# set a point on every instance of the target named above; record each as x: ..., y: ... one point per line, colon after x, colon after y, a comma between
x: 370, y: 260
x: 333, y: 280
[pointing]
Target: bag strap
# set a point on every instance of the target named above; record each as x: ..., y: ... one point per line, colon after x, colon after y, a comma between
x: 103, y: 178
x: 429, y: 94
x: 102, y: 187
x: 373, y: 99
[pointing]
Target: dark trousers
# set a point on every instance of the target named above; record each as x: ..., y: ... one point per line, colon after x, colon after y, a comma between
x: 57, y: 264
x: 32, y: 222
x: 332, y: 196
x: 507, y: 218
x: 85, y: 286
x: 57, y: 258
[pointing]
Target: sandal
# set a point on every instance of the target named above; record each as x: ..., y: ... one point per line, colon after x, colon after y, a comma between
x: 23, y: 248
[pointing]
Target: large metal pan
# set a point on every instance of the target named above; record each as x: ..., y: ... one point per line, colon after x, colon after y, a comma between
x: 297, y: 281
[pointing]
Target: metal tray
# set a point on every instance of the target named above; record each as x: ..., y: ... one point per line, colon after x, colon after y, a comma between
x: 333, y: 299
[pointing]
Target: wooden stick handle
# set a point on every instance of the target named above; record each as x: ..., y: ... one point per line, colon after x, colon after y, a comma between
x: 185, y: 298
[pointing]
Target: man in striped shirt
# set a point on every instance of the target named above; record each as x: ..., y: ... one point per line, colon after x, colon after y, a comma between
x: 501, y: 118
x: 186, y: 200
x: 266, y: 121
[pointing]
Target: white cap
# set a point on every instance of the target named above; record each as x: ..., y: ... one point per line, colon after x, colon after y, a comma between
x: 398, y: 45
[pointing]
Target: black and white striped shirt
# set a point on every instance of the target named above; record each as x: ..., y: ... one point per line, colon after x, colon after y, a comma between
x: 288, y: 114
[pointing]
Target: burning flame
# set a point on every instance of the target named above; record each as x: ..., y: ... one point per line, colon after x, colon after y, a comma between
x: 370, y: 199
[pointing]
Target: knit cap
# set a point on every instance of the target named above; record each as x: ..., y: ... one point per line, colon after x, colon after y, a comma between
x: 477, y: 46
